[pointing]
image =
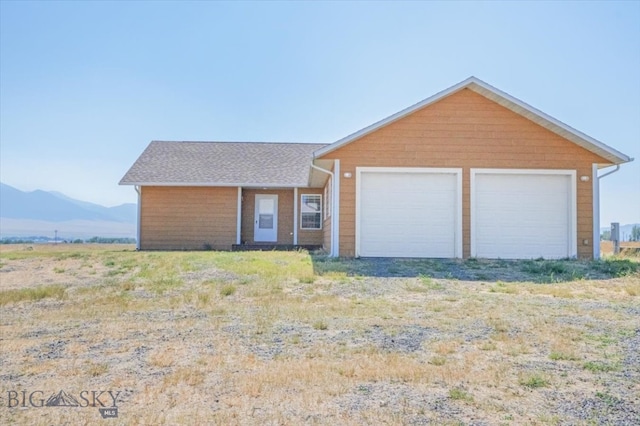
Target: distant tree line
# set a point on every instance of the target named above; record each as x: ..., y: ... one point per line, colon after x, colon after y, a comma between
x: 110, y: 240
x: 635, y: 235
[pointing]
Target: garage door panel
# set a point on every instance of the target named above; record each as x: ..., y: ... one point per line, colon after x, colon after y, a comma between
x: 407, y: 214
x: 522, y: 215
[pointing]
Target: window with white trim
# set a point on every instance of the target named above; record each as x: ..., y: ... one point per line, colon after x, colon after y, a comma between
x: 311, y: 211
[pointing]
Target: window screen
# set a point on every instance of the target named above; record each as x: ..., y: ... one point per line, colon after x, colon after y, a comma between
x: 311, y: 212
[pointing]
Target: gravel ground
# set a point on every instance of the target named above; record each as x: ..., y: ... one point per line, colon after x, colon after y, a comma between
x: 473, y: 341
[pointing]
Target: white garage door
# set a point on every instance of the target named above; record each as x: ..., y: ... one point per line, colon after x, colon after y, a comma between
x: 408, y: 212
x: 518, y: 214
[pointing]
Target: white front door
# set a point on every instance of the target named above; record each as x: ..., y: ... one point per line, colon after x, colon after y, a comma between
x: 266, y: 218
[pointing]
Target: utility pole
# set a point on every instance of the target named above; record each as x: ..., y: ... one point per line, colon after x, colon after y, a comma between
x: 615, y: 237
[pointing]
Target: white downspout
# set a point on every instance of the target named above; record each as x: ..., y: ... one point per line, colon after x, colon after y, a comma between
x: 596, y: 207
x: 295, y: 216
x: 239, y: 217
x: 139, y: 191
x: 335, y: 207
x: 610, y: 172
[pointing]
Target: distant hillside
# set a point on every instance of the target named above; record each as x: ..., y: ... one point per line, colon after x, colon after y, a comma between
x: 41, y: 212
x: 123, y: 213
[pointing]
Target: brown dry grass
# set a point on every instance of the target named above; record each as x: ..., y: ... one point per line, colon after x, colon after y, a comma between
x: 631, y: 247
x: 304, y: 340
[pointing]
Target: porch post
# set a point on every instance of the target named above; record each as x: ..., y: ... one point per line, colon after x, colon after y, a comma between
x: 139, y: 227
x: 295, y: 216
x: 239, y: 218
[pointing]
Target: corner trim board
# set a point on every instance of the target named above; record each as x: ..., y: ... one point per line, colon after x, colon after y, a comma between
x: 335, y: 216
x: 595, y: 202
x: 239, y: 217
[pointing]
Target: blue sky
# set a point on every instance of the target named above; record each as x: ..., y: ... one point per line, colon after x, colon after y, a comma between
x: 84, y: 86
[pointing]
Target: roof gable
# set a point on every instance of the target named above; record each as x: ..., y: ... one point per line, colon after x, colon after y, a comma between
x: 501, y: 98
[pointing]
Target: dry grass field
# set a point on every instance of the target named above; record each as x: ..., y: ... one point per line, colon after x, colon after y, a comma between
x: 199, y: 338
x: 626, y: 247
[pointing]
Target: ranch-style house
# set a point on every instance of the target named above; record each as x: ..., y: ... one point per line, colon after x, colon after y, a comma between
x: 468, y: 172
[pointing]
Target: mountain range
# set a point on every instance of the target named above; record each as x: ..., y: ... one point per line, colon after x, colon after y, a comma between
x: 43, y: 213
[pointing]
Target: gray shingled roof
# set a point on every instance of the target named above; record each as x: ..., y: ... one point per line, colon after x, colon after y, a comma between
x: 223, y: 164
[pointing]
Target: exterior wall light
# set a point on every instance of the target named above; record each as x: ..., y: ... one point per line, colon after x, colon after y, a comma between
x: 584, y: 178
x: 347, y: 175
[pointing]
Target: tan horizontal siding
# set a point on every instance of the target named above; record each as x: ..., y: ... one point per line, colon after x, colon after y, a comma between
x: 465, y: 130
x: 187, y: 218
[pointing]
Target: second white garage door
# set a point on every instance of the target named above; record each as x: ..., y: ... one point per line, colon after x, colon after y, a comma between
x: 520, y: 214
x: 408, y: 212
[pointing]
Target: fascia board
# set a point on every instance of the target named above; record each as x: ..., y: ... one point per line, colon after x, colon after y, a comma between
x: 216, y: 184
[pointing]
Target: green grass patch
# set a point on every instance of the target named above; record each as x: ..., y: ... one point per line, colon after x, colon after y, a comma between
x: 309, y: 279
x: 460, y: 394
x: 600, y: 366
x: 430, y: 284
x: 608, y: 399
x: 534, y: 381
x: 269, y: 267
x: 30, y: 253
x: 616, y: 267
x: 438, y: 361
x: 32, y: 294
x: 562, y: 356
x: 502, y: 287
x: 472, y: 263
x: 71, y: 255
x: 602, y: 340
x: 320, y: 325
x: 488, y: 346
x: 554, y: 271
x: 163, y: 284
x: 228, y: 290
x: 545, y: 267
